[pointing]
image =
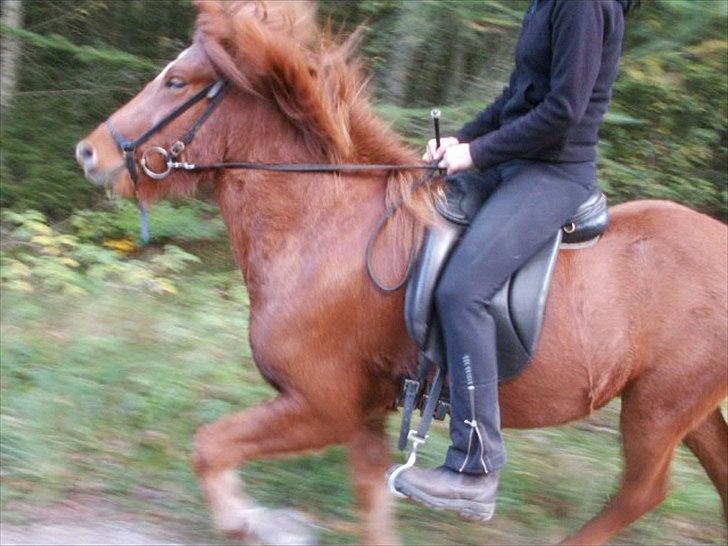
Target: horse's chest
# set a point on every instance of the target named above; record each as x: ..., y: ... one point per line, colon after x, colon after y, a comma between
x: 294, y: 318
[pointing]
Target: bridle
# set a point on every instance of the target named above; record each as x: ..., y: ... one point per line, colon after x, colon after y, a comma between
x: 214, y: 93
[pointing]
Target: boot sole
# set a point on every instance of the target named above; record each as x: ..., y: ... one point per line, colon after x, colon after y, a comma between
x: 467, y: 510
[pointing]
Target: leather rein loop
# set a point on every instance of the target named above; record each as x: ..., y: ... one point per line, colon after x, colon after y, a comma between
x: 377, y: 230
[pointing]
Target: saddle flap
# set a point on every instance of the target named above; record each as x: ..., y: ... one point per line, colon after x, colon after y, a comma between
x: 517, y: 308
x: 529, y: 291
x: 419, y: 306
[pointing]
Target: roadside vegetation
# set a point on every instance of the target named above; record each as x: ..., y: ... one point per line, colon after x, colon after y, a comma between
x: 113, y: 355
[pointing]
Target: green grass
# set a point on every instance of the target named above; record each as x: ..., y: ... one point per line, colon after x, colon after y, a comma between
x: 102, y: 393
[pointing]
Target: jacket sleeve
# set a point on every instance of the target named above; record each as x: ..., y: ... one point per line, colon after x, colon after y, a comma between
x: 576, y: 42
x: 486, y: 121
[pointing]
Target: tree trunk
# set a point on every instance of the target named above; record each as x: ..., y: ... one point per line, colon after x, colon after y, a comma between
x: 404, y: 44
x: 12, y: 15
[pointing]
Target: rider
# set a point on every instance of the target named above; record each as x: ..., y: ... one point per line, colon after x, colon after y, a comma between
x: 535, y: 153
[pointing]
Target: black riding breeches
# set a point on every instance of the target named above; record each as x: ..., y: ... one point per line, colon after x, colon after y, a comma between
x: 529, y: 201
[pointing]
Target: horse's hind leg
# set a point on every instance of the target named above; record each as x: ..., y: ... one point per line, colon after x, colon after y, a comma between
x: 369, y: 456
x: 652, y: 427
x: 284, y: 425
x: 709, y: 443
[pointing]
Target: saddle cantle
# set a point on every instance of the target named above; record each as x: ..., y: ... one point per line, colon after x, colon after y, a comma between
x: 518, y: 306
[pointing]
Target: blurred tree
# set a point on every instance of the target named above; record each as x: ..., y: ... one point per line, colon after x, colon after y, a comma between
x: 12, y: 15
x: 666, y: 134
x: 431, y: 52
x: 80, y: 59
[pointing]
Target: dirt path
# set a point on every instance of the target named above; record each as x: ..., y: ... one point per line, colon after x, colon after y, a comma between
x: 83, y: 521
x: 83, y: 533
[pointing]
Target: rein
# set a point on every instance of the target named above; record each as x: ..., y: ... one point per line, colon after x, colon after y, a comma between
x: 281, y: 167
x: 215, y: 92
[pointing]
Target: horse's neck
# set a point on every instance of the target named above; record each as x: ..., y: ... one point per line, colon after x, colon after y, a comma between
x: 282, y: 226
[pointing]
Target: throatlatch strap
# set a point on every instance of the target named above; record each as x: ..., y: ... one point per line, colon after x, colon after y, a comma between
x: 143, y: 224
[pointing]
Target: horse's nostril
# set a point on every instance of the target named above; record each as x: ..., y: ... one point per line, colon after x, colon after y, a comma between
x: 85, y: 154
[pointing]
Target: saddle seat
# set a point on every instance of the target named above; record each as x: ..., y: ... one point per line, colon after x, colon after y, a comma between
x: 519, y: 305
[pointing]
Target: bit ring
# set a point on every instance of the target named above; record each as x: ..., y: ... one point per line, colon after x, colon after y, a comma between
x: 149, y: 172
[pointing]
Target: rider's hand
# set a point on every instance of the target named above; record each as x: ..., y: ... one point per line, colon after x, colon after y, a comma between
x: 433, y: 152
x: 456, y: 158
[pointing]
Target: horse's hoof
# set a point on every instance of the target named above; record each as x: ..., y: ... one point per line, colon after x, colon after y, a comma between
x: 283, y: 527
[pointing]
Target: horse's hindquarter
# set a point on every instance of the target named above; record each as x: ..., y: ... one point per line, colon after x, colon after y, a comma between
x: 649, y: 297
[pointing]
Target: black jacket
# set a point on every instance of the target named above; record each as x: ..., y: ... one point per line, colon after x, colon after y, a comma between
x: 567, y: 58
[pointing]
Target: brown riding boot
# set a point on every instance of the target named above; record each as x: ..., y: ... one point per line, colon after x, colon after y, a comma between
x: 472, y: 496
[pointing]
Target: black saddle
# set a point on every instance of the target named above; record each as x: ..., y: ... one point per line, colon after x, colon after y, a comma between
x: 518, y: 306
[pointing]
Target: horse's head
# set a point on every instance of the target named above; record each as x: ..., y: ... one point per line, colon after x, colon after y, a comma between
x: 101, y: 155
x: 263, y: 52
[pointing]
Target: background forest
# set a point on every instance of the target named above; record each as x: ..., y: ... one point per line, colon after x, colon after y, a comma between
x: 113, y: 354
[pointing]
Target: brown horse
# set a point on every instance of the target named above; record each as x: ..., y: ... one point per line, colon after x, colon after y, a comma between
x: 641, y: 315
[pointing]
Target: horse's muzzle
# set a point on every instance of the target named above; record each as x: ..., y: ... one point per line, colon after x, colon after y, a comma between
x: 88, y: 159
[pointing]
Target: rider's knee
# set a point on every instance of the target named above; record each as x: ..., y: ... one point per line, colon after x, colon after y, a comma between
x: 451, y: 296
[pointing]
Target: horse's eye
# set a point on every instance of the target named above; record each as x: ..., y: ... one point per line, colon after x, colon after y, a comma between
x: 176, y: 83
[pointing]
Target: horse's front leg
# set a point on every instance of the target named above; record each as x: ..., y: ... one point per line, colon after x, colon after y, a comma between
x: 284, y: 425
x: 369, y: 456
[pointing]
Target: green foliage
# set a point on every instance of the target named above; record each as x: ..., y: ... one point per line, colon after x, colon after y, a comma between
x: 85, y: 54
x: 41, y: 258
x: 432, y: 52
x: 190, y: 221
x: 80, y: 61
x: 666, y: 137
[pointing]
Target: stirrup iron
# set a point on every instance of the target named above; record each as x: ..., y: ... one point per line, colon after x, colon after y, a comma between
x: 417, y: 441
x: 419, y: 436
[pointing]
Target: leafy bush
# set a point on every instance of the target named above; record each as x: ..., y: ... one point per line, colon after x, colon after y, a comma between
x: 192, y: 220
x: 668, y: 137
x: 38, y: 257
